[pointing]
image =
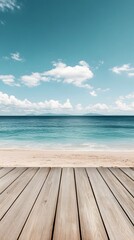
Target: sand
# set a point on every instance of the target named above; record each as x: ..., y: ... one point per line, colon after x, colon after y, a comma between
x: 65, y: 158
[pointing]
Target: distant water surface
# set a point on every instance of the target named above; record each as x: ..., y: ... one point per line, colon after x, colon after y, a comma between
x: 69, y: 132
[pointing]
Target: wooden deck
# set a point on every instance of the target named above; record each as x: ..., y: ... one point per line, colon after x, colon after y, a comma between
x: 66, y: 204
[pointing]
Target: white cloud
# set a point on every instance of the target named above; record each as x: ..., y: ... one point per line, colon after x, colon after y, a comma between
x: 14, y: 104
x: 125, y: 68
x: 125, y: 103
x: 98, y: 107
x: 96, y: 91
x: 77, y: 75
x: 130, y: 96
x: 10, y: 104
x: 79, y: 107
x: 8, y: 4
x: 92, y: 108
x: 33, y: 80
x: 131, y: 74
x: 8, y: 79
x: 103, y: 90
x: 93, y: 93
x: 122, y: 106
x: 16, y: 56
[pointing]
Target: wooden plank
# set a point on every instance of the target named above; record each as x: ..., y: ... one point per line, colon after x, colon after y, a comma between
x: 122, y: 195
x: 40, y: 223
x: 129, y: 172
x: 117, y: 223
x: 15, y: 218
x: 5, y: 171
x: 10, y: 177
x: 8, y: 197
x: 91, y: 224
x: 124, y: 179
x: 66, y: 224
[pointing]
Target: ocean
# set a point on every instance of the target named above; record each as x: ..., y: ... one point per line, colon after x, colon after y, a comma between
x: 68, y: 132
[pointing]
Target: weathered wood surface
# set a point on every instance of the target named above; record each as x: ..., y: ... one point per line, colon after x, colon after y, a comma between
x: 11, y: 177
x: 129, y: 172
x: 113, y: 215
x: 127, y: 182
x: 39, y: 226
x: 4, y: 171
x: 66, y: 204
x: 66, y: 223
x: 121, y: 194
x: 90, y: 219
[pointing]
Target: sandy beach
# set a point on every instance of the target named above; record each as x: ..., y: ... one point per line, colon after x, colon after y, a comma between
x: 65, y: 158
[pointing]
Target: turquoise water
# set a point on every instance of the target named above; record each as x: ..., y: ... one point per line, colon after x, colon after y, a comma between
x: 87, y: 133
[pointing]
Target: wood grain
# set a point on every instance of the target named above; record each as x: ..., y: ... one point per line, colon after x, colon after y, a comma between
x: 14, y: 220
x: 66, y: 204
x: 4, y: 171
x: 117, y: 224
x: 91, y: 224
x: 10, y: 177
x: 40, y: 223
x: 129, y: 172
x: 67, y: 225
x: 122, y: 195
x: 8, y: 197
x: 124, y: 179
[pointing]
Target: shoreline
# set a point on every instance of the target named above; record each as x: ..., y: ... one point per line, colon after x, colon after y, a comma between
x: 52, y: 149
x: 65, y: 158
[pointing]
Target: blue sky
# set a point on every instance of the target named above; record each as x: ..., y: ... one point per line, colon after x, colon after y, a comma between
x: 74, y: 56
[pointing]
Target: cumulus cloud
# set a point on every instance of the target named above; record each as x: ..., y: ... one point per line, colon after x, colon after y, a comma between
x: 16, y: 57
x: 125, y: 103
x: 8, y: 5
x: 77, y: 75
x: 98, y: 107
x: 125, y: 68
x: 9, y: 104
x: 15, y: 104
x: 34, y: 79
x: 122, y: 106
x: 8, y: 79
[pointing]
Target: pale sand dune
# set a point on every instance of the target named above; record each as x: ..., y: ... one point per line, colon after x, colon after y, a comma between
x: 64, y: 158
